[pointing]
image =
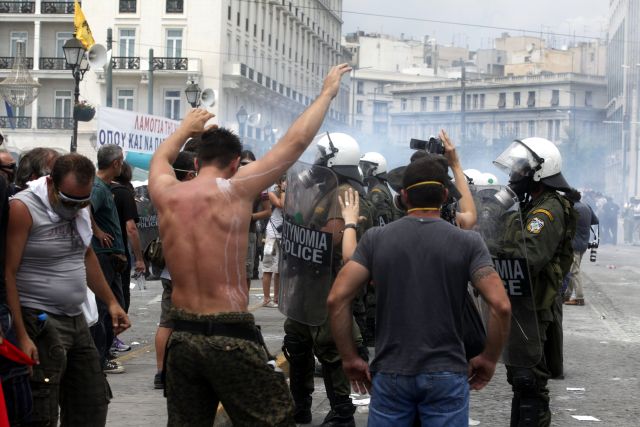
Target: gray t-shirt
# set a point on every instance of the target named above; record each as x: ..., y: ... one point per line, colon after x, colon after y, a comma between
x: 52, y: 275
x: 420, y: 268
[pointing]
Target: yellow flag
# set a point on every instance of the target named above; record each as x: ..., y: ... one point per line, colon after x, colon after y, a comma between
x: 83, y: 32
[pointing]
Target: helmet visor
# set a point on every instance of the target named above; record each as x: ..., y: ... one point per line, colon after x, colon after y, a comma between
x: 517, y: 161
x: 368, y: 168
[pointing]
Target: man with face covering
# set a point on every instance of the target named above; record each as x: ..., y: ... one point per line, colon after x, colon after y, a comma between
x: 49, y: 264
x: 549, y: 222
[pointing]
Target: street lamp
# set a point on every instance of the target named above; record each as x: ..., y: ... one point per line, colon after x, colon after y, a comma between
x: 242, y: 119
x: 193, y: 94
x: 74, y: 55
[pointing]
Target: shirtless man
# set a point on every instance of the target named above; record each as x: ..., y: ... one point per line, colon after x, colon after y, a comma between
x: 215, y: 352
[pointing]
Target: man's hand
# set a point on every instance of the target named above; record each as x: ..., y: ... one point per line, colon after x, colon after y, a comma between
x: 29, y: 348
x: 193, y: 123
x: 449, y: 150
x: 105, y: 239
x: 350, y: 206
x: 140, y: 266
x: 119, y: 319
x: 481, y: 371
x: 357, y: 370
x: 331, y: 84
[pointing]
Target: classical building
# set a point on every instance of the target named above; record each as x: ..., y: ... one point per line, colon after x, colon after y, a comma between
x: 261, y: 57
x: 623, y: 112
x: 565, y: 108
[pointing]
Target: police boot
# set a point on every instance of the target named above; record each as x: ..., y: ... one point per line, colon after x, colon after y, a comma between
x: 529, y: 412
x: 342, y: 409
x: 301, y: 365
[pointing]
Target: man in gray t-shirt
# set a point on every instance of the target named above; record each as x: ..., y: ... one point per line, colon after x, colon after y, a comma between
x: 420, y: 266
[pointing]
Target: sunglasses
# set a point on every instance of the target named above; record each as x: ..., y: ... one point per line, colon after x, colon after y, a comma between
x: 73, y: 202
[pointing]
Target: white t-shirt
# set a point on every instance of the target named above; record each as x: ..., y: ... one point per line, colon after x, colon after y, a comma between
x: 276, y: 219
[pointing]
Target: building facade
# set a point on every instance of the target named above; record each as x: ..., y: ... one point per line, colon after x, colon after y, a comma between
x: 267, y: 58
x: 567, y: 109
x: 623, y: 106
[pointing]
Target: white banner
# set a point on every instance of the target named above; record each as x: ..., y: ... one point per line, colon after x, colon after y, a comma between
x: 133, y: 131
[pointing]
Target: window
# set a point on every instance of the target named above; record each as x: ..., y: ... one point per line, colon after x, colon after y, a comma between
x: 475, y: 101
x: 449, y: 102
x: 468, y: 102
x: 238, y: 18
x: 403, y: 104
x: 359, y: 107
x: 127, y: 42
x: 482, y: 97
x: 502, y: 99
x: 229, y: 13
x: 62, y: 105
x: 174, y: 43
x: 555, y: 98
x: 550, y: 130
x: 172, y: 104
x: 18, y: 36
x: 125, y: 99
x: 531, y: 99
x: 175, y: 6
x: 127, y: 6
x: 532, y: 128
x: 61, y: 39
x: 380, y: 108
x: 436, y: 103
x: 588, y: 99
x: 423, y: 103
x: 556, y: 130
x: 360, y: 88
x: 516, y: 99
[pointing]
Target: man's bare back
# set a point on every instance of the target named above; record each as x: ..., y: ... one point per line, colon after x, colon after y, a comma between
x: 204, y: 223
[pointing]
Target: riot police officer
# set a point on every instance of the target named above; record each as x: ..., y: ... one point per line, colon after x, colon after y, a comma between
x: 534, y: 168
x: 340, y: 153
x: 374, y: 170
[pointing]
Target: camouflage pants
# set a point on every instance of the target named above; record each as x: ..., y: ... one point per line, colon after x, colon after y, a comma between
x: 202, y: 371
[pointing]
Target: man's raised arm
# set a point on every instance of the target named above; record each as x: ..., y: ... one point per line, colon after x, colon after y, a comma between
x: 266, y: 170
x: 161, y: 173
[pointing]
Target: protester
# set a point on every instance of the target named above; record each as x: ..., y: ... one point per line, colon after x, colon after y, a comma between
x: 109, y: 247
x: 8, y: 170
x: 271, y: 255
x: 574, y: 294
x: 14, y: 376
x: 184, y: 167
x: 33, y: 164
x: 47, y: 282
x: 210, y: 298
x: 417, y: 284
x: 261, y: 210
x: 610, y: 211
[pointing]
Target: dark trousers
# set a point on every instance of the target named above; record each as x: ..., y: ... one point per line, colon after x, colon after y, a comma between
x: 102, y: 331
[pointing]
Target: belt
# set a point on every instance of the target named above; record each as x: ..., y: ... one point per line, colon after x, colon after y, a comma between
x: 211, y: 327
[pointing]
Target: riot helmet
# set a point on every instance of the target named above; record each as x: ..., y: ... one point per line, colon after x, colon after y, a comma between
x: 341, y: 153
x: 373, y: 164
x: 529, y: 161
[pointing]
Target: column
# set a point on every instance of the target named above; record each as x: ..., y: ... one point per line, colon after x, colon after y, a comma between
x: 36, y: 42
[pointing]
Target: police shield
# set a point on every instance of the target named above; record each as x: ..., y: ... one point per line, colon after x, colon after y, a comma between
x: 148, y: 223
x: 309, y: 235
x: 500, y: 224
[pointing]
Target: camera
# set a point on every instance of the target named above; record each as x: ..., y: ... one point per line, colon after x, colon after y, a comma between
x: 594, y: 250
x: 434, y: 145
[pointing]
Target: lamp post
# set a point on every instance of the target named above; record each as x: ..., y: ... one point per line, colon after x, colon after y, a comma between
x: 242, y: 119
x: 193, y: 93
x: 74, y: 55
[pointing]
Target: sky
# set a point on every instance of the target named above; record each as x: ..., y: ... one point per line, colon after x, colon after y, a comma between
x: 566, y: 17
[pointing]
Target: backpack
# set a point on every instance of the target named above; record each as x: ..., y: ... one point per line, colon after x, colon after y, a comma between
x: 153, y: 253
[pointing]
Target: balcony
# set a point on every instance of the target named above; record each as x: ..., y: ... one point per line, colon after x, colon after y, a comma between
x: 19, y: 122
x: 55, y: 122
x: 181, y: 64
x: 17, y: 7
x: 125, y: 62
x: 6, y: 62
x: 57, y: 7
x: 53, y: 64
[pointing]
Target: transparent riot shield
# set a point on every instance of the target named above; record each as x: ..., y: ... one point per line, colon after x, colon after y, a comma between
x: 148, y: 224
x: 308, y: 240
x: 501, y: 225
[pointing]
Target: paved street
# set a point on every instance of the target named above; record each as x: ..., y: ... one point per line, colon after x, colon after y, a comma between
x: 602, y: 355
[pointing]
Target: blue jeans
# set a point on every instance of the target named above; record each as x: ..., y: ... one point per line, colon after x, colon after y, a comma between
x: 437, y: 398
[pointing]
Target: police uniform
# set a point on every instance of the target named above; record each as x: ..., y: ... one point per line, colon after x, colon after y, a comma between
x: 549, y: 227
x: 302, y: 341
